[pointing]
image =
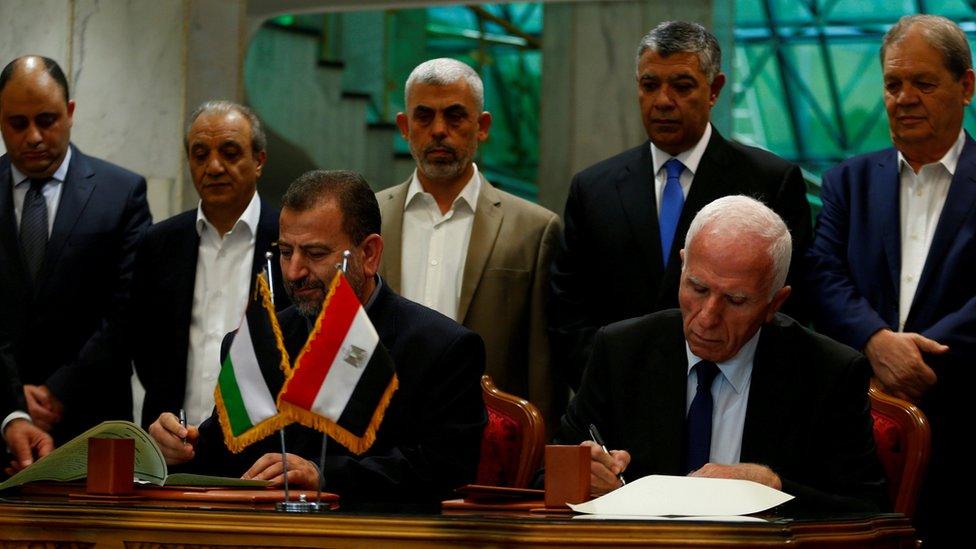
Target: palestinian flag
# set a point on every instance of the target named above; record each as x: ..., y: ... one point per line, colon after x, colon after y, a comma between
x: 343, y: 380
x: 254, y: 364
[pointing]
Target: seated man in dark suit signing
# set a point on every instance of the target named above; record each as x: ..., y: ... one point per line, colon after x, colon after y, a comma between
x: 429, y: 441
x: 727, y: 387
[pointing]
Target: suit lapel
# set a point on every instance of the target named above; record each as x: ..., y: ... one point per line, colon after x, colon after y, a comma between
x: 263, y: 243
x: 484, y: 230
x: 392, y: 202
x: 768, y: 409
x: 75, y: 192
x: 635, y: 188
x: 9, y: 241
x: 958, y: 207
x: 884, y: 195
x: 668, y: 386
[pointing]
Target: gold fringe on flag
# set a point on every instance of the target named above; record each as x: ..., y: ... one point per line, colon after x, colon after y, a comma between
x: 356, y: 445
x: 264, y: 292
x: 252, y: 435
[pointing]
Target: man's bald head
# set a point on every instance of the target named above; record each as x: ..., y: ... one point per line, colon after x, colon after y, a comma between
x: 32, y: 65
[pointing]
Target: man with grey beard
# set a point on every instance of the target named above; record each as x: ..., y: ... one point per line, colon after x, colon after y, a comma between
x: 458, y: 245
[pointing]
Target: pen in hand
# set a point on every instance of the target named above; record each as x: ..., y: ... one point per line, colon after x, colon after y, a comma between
x: 183, y: 423
x: 595, y: 435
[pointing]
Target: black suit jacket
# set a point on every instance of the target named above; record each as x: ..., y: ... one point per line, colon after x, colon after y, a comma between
x: 53, y: 326
x: 609, y: 267
x: 808, y: 416
x: 430, y: 439
x: 162, y: 303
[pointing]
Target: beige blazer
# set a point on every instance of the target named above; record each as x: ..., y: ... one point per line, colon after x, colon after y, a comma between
x: 503, y: 291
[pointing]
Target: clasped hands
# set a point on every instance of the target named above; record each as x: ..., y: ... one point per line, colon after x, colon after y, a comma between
x: 605, y: 468
x: 169, y: 434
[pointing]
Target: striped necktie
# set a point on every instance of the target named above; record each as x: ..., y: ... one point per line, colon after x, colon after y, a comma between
x: 33, y: 226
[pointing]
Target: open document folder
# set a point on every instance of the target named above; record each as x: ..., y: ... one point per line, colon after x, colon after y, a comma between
x: 70, y: 462
x: 662, y: 495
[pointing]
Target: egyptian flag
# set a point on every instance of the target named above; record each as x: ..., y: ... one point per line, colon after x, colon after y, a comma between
x: 254, y: 364
x: 343, y: 380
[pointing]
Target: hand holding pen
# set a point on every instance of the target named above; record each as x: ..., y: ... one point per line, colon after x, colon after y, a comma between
x: 606, y: 466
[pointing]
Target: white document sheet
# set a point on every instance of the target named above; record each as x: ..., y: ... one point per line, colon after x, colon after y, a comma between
x: 662, y: 495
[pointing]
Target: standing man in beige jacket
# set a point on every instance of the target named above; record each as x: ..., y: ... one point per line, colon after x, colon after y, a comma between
x: 458, y: 245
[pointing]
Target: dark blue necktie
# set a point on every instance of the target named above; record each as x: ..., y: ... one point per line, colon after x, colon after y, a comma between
x: 33, y: 226
x: 672, y: 200
x: 700, y: 417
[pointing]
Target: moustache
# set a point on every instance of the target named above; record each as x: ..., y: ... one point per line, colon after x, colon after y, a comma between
x: 439, y: 147
x: 305, y: 284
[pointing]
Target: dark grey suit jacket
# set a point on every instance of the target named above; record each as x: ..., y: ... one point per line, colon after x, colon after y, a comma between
x: 808, y: 416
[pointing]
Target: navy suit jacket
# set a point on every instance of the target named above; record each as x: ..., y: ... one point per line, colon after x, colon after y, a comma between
x: 807, y: 417
x: 855, y: 259
x: 52, y: 326
x: 610, y: 265
x: 855, y: 264
x: 162, y: 303
x: 430, y: 439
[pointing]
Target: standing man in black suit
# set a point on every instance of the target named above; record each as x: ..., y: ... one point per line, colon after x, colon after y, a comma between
x: 69, y: 228
x: 626, y: 216
x: 726, y: 387
x: 430, y: 438
x: 195, y: 270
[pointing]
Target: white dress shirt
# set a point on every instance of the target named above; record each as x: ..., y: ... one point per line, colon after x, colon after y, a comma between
x: 730, y: 397
x: 223, y: 279
x: 52, y: 197
x: 435, y: 245
x: 51, y: 191
x: 690, y: 158
x: 922, y: 196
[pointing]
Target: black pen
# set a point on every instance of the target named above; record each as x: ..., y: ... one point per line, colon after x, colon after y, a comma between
x: 183, y: 423
x: 595, y: 435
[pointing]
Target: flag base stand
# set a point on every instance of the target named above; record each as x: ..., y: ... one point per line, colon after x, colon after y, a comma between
x: 302, y: 506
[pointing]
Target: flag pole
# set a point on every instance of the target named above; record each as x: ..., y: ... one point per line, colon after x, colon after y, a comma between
x: 346, y: 254
x: 268, y: 256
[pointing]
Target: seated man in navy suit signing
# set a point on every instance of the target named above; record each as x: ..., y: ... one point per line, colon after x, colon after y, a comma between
x: 726, y: 387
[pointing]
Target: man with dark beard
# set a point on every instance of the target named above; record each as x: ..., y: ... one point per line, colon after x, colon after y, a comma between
x: 429, y: 441
x: 458, y: 245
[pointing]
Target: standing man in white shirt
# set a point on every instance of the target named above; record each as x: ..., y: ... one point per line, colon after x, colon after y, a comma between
x: 458, y: 245
x: 892, y: 263
x: 194, y: 270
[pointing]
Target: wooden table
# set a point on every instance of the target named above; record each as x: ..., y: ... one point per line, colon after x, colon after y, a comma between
x: 137, y: 525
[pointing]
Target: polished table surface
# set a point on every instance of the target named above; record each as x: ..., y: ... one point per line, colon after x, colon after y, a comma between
x: 28, y: 521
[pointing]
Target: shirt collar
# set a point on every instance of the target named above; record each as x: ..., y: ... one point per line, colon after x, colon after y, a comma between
x: 737, y: 369
x: 468, y: 195
x: 949, y: 161
x: 376, y: 292
x: 249, y: 217
x: 59, y: 174
x: 690, y: 158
